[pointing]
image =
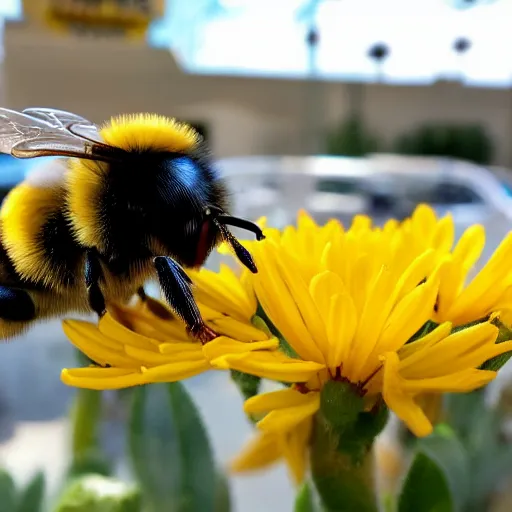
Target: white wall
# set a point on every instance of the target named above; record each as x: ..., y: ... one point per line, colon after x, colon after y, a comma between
x: 248, y: 116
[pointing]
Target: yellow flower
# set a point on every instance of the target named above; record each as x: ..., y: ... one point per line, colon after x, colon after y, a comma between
x: 490, y: 290
x: 350, y: 302
x: 144, y: 343
x: 266, y: 449
x: 327, y: 304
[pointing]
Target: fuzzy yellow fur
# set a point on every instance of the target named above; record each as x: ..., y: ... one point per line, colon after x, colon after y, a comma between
x: 84, y: 183
x: 149, y: 131
x: 130, y: 132
x: 23, y: 214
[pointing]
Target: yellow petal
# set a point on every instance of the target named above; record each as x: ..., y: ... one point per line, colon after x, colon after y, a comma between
x: 378, y: 304
x: 262, y: 451
x: 97, y: 371
x: 275, y: 400
x: 284, y: 420
x: 242, y: 331
x: 173, y: 372
x: 461, y: 350
x: 223, y: 346
x: 88, y: 339
x: 110, y: 379
x: 417, y: 271
x: 294, y: 447
x: 222, y: 292
x: 399, y: 401
x: 112, y: 329
x: 308, y: 310
x: 150, y: 358
x: 408, y: 316
x: 444, y: 234
x: 425, y: 218
x: 489, y: 282
x: 323, y: 286
x: 341, y: 328
x: 463, y: 381
x: 433, y: 337
x: 178, y: 348
x: 270, y: 365
x: 280, y: 306
x: 470, y: 246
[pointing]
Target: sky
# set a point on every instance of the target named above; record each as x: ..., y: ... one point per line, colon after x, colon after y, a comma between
x: 267, y: 37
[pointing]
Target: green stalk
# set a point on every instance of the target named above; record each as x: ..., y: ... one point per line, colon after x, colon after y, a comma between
x: 343, y: 471
x: 86, y: 418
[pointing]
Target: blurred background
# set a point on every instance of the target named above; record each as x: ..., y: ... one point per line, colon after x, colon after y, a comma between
x: 338, y: 106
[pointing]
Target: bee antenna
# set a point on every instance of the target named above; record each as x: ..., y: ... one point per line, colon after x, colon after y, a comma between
x: 228, y: 220
x: 240, y: 251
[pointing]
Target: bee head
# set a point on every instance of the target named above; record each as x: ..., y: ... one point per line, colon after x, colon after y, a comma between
x: 198, y: 197
x: 213, y: 228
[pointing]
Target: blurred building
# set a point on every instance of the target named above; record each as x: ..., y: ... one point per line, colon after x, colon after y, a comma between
x: 99, y: 73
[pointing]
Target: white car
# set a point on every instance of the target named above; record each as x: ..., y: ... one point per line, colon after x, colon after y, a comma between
x: 381, y: 186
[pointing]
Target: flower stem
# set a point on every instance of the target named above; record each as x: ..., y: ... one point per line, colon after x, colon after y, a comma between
x: 86, y: 417
x: 343, y: 474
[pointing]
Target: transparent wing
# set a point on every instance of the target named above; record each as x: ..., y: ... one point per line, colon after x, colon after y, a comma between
x: 46, y: 132
x: 55, y: 117
x: 77, y: 125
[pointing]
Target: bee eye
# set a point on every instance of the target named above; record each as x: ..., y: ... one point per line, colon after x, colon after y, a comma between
x: 190, y: 227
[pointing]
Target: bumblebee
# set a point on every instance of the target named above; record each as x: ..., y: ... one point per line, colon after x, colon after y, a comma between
x: 135, y: 198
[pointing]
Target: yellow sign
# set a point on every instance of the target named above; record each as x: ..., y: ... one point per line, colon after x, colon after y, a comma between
x: 131, y: 17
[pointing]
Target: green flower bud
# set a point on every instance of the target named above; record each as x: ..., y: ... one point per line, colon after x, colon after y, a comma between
x: 340, y: 404
x: 248, y: 385
x: 101, y: 494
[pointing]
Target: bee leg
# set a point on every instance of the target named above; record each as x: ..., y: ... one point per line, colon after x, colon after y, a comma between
x: 177, y: 289
x: 142, y: 294
x: 93, y: 275
x: 156, y: 307
x: 16, y: 305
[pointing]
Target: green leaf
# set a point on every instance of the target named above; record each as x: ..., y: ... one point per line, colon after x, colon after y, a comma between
x: 304, y: 499
x: 32, y: 497
x: 462, y: 410
x: 8, y: 494
x: 222, y: 494
x: 170, y: 451
x: 438, y: 480
x: 425, y: 488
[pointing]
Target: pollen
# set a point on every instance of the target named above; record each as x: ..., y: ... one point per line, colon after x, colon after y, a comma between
x: 143, y: 132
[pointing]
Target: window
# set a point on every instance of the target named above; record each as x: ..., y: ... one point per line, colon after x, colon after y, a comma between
x: 446, y: 193
x: 453, y: 193
x: 339, y: 186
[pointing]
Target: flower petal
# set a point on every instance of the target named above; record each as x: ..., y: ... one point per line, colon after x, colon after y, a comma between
x: 173, y: 372
x: 223, y: 346
x: 460, y: 382
x: 399, y: 401
x: 98, y: 347
x: 110, y: 378
x: 284, y: 420
x: 280, y: 399
x: 294, y: 447
x: 262, y: 451
x: 242, y: 331
x: 270, y: 365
